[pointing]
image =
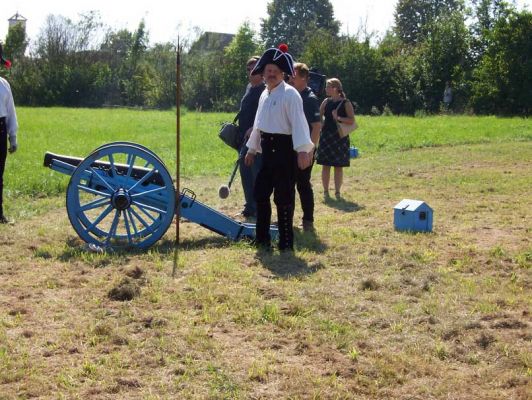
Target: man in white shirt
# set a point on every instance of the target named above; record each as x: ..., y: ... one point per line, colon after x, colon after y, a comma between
x: 8, y: 128
x: 281, y: 133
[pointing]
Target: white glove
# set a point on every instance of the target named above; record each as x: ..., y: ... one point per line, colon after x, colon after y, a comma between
x: 12, y: 144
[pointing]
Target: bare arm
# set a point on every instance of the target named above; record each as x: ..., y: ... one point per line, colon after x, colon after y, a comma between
x: 350, y: 114
x: 322, y: 109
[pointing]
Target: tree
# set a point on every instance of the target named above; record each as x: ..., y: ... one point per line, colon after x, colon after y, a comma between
x: 236, y: 54
x: 414, y: 18
x: 443, y: 57
x: 291, y: 22
x: 402, y: 92
x: 162, y: 59
x: 503, y: 80
x: 354, y: 62
x: 16, y: 42
x: 318, y: 53
x: 486, y: 14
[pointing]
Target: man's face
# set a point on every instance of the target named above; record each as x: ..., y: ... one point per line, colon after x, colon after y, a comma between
x: 273, y: 75
x: 249, y: 68
x: 253, y: 79
x: 298, y: 81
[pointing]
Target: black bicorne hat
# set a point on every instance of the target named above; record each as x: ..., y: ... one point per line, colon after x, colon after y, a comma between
x: 3, y: 61
x: 279, y: 57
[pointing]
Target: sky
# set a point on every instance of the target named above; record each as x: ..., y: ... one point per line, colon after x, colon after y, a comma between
x: 165, y: 19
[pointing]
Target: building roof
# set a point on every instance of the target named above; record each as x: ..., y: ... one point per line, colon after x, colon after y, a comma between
x: 17, y: 17
x: 212, y: 41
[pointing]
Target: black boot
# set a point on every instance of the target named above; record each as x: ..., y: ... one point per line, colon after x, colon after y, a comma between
x: 262, y: 228
x: 285, y: 217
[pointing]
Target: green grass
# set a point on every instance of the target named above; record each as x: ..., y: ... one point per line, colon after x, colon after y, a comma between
x: 78, y: 131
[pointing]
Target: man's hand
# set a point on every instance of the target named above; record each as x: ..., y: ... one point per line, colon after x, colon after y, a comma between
x: 249, y: 159
x: 12, y: 145
x: 304, y: 160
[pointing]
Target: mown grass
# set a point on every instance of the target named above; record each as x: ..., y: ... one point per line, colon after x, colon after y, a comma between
x: 78, y: 131
x: 358, y: 312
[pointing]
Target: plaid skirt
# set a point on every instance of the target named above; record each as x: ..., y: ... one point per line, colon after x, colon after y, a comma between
x: 333, y: 150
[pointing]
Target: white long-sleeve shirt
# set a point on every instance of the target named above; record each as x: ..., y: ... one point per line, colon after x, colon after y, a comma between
x: 7, y: 110
x: 280, y: 111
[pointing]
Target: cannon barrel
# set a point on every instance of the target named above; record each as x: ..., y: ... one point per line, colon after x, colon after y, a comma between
x: 137, y: 172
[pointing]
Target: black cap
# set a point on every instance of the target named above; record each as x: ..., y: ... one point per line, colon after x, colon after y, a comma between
x: 279, y: 57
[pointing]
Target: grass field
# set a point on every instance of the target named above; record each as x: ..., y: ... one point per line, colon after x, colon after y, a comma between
x: 358, y: 312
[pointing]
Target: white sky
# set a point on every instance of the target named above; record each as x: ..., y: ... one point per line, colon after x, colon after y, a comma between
x: 165, y: 18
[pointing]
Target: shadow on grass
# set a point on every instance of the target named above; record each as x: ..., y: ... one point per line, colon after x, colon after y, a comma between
x: 308, y: 241
x: 286, y: 264
x: 342, y: 204
x: 76, y: 249
x: 213, y: 242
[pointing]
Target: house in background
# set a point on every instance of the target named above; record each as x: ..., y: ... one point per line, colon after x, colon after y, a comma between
x: 17, y: 19
x: 211, y: 41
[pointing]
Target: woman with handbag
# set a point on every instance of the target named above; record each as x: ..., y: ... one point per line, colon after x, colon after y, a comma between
x: 333, y: 148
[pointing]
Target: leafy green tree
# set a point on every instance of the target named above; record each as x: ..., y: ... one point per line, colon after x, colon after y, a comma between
x: 115, y: 50
x: 503, y: 80
x: 135, y: 79
x: 318, y: 54
x: 443, y: 57
x: 291, y: 22
x: 355, y: 62
x: 202, y: 78
x: 434, y: 47
x: 414, y: 18
x: 16, y: 42
x: 162, y: 58
x: 236, y: 54
x: 486, y: 13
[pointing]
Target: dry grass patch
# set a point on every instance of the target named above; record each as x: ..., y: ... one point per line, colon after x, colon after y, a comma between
x: 358, y: 311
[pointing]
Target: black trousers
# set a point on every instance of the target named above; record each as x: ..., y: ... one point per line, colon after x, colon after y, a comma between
x: 3, y: 155
x: 306, y: 194
x: 278, y: 176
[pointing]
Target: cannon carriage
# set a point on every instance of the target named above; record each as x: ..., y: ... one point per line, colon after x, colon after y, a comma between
x: 122, y: 195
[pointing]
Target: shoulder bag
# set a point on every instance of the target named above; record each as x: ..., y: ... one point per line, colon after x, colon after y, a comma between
x: 229, y: 133
x: 345, y: 129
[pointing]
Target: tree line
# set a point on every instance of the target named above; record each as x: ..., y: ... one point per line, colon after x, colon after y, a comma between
x: 482, y: 47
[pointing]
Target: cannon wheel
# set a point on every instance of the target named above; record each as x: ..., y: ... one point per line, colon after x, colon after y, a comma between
x: 108, y: 207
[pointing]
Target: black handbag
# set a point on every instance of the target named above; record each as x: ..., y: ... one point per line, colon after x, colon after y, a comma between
x: 229, y: 133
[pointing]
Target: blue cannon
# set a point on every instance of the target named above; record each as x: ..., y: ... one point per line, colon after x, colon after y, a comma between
x: 122, y: 195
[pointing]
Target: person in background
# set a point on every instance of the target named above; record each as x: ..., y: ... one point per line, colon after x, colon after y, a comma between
x: 281, y: 133
x: 447, y: 95
x: 311, y: 107
x: 8, y: 129
x: 333, y: 150
x: 246, y: 116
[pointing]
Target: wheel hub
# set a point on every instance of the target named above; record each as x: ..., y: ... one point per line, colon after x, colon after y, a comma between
x: 121, y: 199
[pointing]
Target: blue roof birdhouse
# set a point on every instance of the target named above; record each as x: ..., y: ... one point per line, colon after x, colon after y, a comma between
x: 412, y: 215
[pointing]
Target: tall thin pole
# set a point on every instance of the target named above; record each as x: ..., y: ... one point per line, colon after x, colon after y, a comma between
x: 177, y: 158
